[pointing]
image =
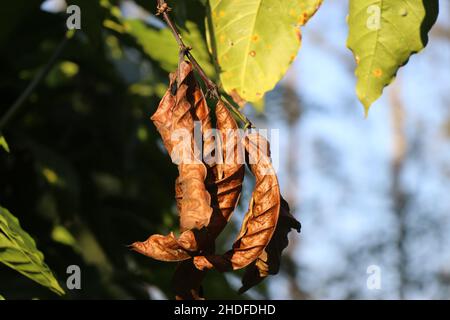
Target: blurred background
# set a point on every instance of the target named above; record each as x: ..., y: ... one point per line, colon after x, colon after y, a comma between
x: 87, y: 174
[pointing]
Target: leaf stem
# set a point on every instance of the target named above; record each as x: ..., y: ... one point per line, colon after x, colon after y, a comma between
x: 213, y: 90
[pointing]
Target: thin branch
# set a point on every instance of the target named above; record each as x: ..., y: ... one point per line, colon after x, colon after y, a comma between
x: 19, y: 103
x: 163, y: 9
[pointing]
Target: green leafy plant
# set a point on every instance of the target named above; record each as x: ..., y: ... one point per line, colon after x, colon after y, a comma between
x: 240, y: 49
x: 19, y: 252
x: 4, y: 144
x: 255, y: 42
x: 383, y: 35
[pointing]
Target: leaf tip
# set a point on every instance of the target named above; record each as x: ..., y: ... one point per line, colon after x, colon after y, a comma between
x: 366, y: 112
x: 366, y: 101
x: 4, y: 144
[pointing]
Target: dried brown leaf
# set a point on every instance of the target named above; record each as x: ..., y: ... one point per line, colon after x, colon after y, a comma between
x: 228, y: 174
x: 268, y: 263
x: 162, y: 118
x: 261, y: 218
x: 175, y: 116
x: 164, y: 248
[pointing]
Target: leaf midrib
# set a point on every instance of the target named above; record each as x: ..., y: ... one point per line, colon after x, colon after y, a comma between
x: 372, y: 57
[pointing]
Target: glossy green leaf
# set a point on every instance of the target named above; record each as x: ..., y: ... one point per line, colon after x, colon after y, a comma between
x: 383, y: 34
x: 18, y: 251
x: 255, y: 41
x: 4, y: 144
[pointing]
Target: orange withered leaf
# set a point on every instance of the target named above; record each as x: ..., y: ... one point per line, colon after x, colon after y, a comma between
x: 268, y: 263
x: 195, y: 202
x: 162, y: 118
x: 202, y: 114
x: 174, y: 120
x: 164, y: 248
x: 228, y: 174
x: 261, y: 218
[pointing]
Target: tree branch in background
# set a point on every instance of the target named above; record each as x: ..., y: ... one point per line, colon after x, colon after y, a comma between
x: 400, y: 197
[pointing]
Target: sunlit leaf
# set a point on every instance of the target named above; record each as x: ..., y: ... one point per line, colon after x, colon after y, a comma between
x: 255, y: 41
x: 62, y: 235
x: 4, y: 144
x: 383, y: 35
x: 18, y: 251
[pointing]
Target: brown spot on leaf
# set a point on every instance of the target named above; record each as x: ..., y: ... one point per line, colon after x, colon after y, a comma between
x: 377, y: 72
x: 303, y: 19
x: 252, y: 53
x: 255, y: 38
x: 298, y: 33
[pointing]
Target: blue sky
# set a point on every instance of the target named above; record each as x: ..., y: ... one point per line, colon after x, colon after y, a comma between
x: 344, y: 196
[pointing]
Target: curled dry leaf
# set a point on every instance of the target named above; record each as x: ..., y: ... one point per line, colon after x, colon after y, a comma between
x: 202, y: 114
x: 195, y: 202
x: 164, y: 248
x: 268, y: 263
x: 224, y: 181
x: 228, y: 174
x: 162, y: 118
x: 225, y: 185
x: 205, y: 208
x: 174, y: 119
x: 261, y: 218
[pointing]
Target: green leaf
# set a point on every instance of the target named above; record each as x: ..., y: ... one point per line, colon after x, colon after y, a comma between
x: 18, y: 251
x: 1, y: 297
x: 383, y: 34
x: 160, y: 45
x: 4, y: 144
x: 255, y: 41
x: 62, y: 235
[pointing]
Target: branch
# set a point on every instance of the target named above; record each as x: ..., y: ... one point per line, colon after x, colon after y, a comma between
x: 163, y: 9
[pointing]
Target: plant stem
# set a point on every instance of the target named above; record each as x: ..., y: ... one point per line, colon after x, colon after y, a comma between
x: 163, y: 10
x: 19, y: 103
x: 213, y: 90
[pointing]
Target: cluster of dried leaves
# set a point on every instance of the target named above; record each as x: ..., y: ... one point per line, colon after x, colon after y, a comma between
x: 207, y: 193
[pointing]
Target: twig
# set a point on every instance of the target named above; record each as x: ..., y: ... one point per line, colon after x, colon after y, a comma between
x: 36, y: 80
x: 163, y: 9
